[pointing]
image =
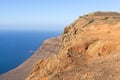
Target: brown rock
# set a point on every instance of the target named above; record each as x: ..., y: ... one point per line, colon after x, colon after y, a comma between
x: 90, y: 50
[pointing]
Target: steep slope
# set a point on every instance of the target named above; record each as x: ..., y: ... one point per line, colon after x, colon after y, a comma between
x: 48, y: 48
x: 90, y: 50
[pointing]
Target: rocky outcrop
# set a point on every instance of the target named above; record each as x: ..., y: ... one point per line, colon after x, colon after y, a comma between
x: 48, y: 49
x: 90, y: 50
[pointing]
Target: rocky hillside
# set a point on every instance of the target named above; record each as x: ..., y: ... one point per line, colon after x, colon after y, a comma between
x: 48, y: 49
x: 90, y: 50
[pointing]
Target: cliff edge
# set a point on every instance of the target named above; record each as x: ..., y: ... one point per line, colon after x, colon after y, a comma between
x: 48, y: 48
x: 90, y: 50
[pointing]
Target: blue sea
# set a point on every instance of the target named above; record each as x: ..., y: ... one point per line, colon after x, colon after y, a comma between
x: 17, y: 46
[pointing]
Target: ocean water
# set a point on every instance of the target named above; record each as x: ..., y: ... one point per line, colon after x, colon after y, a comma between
x: 17, y: 46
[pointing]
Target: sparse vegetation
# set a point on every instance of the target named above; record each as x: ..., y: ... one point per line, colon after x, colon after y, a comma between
x: 91, y: 21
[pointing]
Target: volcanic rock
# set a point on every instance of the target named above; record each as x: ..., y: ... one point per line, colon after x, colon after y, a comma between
x: 90, y: 50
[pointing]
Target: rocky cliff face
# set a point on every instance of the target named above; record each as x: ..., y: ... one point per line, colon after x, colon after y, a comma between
x: 48, y: 49
x: 90, y: 50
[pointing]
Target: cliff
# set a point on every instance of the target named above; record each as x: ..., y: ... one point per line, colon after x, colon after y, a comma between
x: 48, y: 49
x: 90, y: 50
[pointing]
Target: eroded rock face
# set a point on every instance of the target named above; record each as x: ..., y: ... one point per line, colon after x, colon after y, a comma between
x: 90, y: 50
x: 49, y: 48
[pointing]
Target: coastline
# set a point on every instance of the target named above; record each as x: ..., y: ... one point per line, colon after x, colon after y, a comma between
x: 24, y: 69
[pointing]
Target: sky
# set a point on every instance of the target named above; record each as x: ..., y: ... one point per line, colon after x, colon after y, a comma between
x: 48, y: 14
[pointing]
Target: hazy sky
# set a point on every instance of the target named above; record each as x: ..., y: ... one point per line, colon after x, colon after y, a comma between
x: 48, y: 14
